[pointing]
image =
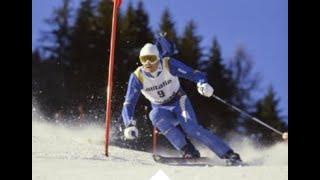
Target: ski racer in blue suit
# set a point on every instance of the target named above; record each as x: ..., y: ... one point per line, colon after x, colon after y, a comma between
x: 172, y: 113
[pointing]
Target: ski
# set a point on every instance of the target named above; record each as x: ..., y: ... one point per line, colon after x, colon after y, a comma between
x: 183, y: 161
x: 202, y: 161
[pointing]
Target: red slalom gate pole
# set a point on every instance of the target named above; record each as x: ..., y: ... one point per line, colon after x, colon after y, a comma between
x: 154, y: 141
x: 116, y: 5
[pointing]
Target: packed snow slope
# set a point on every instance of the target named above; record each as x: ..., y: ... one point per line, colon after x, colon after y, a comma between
x: 64, y: 153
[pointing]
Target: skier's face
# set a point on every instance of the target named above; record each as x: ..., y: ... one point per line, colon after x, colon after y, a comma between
x: 150, y: 67
x: 150, y: 63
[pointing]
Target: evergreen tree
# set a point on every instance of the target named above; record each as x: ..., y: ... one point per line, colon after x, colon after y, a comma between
x: 103, y: 23
x: 217, y: 72
x: 53, y: 90
x: 267, y: 110
x: 189, y: 46
x: 142, y: 22
x: 245, y: 81
x: 221, y: 119
x: 167, y: 26
x: 57, y: 41
x: 103, y: 32
x: 134, y: 33
x: 86, y: 70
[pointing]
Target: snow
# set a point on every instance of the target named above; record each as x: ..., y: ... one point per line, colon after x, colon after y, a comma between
x: 66, y: 153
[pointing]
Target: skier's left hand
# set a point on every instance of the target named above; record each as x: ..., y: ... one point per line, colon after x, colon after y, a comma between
x: 205, y: 89
x: 131, y: 132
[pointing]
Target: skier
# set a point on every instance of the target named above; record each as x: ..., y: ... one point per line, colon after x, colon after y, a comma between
x: 172, y: 113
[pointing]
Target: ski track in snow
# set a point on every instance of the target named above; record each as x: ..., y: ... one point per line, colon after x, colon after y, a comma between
x: 77, y: 154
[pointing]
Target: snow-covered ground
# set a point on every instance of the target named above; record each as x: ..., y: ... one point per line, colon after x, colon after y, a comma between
x: 61, y: 153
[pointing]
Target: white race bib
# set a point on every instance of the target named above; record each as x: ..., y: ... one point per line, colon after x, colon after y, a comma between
x: 160, y: 89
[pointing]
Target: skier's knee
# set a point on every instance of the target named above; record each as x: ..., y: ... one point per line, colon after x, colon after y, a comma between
x: 157, y: 114
x: 153, y: 114
x: 160, y: 124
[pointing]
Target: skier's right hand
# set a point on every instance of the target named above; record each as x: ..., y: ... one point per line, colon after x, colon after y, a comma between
x: 131, y: 132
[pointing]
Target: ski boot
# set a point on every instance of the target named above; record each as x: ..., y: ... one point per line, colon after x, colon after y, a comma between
x: 233, y: 159
x: 189, y: 152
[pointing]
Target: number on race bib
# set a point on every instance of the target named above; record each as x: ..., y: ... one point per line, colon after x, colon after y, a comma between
x: 161, y: 94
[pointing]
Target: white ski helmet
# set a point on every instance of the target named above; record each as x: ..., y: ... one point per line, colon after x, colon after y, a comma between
x: 149, y: 49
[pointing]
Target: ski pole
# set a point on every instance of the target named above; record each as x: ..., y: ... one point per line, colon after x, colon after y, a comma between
x: 283, y: 134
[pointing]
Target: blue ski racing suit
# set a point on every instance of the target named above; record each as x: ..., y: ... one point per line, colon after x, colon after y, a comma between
x: 176, y: 109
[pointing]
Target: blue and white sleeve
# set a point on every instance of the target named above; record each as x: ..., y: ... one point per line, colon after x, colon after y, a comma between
x: 177, y: 68
x: 131, y: 99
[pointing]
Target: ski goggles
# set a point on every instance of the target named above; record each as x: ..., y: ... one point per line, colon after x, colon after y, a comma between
x: 151, y: 58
